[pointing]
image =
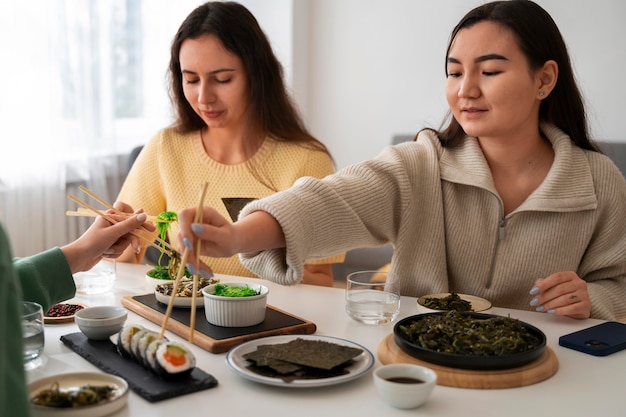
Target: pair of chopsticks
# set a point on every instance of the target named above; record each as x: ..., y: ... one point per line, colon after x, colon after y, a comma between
x: 181, y: 272
x: 84, y: 212
x: 166, y: 248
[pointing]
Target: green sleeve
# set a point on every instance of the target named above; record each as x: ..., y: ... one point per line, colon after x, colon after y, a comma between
x: 13, y: 394
x: 45, y: 277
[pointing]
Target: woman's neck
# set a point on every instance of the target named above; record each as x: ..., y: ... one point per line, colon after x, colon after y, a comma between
x: 230, y: 147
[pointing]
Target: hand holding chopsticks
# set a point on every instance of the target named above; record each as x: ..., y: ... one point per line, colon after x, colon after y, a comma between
x: 181, y: 272
x: 146, y: 236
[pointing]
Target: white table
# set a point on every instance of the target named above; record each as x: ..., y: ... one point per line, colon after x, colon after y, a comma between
x: 583, y: 386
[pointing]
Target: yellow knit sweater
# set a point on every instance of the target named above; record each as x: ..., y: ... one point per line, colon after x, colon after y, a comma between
x: 171, y: 170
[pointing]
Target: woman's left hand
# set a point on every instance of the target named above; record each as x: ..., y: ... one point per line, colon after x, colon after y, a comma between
x: 562, y: 293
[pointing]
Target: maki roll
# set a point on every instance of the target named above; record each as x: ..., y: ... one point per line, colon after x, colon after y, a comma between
x: 134, y: 342
x: 142, y: 346
x: 173, y: 360
x: 150, y: 353
x: 125, y: 337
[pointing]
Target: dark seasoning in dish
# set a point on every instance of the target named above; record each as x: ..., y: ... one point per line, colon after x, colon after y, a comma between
x: 470, y: 340
x: 302, y: 359
x: 450, y: 302
x: 72, y: 398
x: 467, y: 335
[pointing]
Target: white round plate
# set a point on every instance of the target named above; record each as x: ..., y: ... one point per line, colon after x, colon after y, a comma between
x: 184, y: 302
x: 75, y: 380
x: 236, y: 361
x: 479, y: 305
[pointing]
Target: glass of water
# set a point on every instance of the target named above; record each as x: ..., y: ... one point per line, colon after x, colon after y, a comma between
x: 32, y: 332
x: 372, y: 297
x: 98, y: 280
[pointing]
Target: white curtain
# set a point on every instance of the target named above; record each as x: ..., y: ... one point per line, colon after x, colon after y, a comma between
x: 82, y: 83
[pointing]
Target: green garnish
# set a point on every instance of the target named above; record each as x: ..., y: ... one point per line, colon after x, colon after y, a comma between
x: 229, y: 291
x: 171, y: 270
x: 456, y: 333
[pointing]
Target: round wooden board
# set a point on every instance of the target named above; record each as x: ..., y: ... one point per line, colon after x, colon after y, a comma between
x: 539, y: 370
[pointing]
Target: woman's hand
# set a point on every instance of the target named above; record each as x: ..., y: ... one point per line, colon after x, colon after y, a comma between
x: 221, y: 238
x: 562, y: 293
x: 104, y: 239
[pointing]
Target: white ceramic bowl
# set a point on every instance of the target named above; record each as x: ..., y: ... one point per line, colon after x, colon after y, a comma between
x: 100, y: 322
x: 479, y: 305
x: 405, y: 394
x: 235, y: 311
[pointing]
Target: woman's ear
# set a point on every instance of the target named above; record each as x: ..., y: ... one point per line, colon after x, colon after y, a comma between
x: 547, y: 76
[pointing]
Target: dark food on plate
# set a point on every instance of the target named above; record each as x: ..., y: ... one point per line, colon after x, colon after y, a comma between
x: 466, y: 335
x: 185, y: 287
x: 76, y: 397
x: 450, y: 302
x: 63, y: 310
x: 302, y: 359
x: 163, y: 357
x: 231, y: 291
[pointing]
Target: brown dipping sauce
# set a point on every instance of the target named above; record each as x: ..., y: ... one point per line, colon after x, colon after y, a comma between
x: 404, y: 380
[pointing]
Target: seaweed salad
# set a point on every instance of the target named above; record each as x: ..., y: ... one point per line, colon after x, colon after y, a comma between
x: 456, y: 333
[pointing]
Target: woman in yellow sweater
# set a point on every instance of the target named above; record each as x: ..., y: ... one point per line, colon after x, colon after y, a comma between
x: 236, y: 128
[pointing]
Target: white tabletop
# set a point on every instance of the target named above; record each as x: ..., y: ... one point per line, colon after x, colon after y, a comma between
x: 583, y: 386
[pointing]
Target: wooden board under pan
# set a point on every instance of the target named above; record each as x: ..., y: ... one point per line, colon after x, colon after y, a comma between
x: 538, y: 370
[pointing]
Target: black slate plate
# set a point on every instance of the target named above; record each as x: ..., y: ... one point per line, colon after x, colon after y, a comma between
x: 468, y: 361
x: 103, y: 354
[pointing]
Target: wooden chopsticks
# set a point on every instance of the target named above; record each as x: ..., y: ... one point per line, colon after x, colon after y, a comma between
x: 165, y: 248
x: 181, y: 272
x: 84, y: 212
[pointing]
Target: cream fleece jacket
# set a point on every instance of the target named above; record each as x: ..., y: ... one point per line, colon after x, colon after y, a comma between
x: 440, y: 210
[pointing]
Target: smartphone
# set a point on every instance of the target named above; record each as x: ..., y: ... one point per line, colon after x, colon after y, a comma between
x: 599, y: 340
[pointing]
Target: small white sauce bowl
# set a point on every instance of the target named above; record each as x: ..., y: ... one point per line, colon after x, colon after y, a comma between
x: 100, y: 322
x: 404, y: 395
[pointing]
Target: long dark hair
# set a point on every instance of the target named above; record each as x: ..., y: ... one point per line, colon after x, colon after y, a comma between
x: 540, y: 40
x: 271, y: 108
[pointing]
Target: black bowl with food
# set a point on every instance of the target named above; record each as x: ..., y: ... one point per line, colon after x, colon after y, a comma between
x: 469, y: 340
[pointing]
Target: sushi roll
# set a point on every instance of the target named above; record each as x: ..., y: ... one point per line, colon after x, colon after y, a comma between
x: 150, y: 353
x: 142, y: 346
x: 174, y: 360
x: 125, y: 337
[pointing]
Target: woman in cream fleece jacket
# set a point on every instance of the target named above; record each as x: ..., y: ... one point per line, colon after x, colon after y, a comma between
x: 511, y: 201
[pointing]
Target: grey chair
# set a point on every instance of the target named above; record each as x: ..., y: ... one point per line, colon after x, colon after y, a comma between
x: 617, y: 152
x: 362, y: 259
x: 152, y: 254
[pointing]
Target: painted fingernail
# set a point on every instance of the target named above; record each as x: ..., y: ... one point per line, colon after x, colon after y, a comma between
x: 206, y: 274
x: 534, y: 302
x: 191, y: 268
x: 534, y: 291
x: 551, y: 311
x: 196, y: 228
x: 108, y: 252
x: 187, y: 243
x: 142, y: 217
x: 540, y: 308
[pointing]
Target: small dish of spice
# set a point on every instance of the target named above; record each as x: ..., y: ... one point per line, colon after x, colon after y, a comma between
x: 452, y: 301
x: 62, y: 313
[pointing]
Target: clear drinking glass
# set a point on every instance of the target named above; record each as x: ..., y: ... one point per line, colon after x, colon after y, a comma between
x: 372, y: 297
x: 98, y: 280
x: 33, y: 335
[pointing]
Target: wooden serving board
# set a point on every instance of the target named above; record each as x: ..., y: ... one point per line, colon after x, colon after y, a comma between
x: 538, y: 370
x: 216, y: 339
